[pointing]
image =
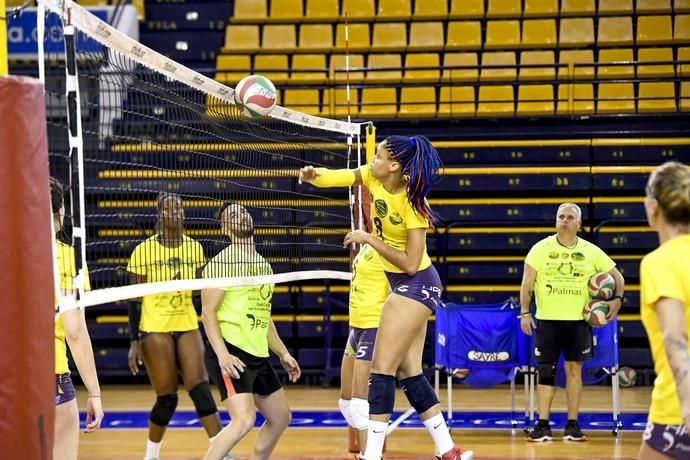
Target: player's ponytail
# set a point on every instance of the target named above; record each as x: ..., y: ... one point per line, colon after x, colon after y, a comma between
x: 420, y: 162
x: 669, y: 184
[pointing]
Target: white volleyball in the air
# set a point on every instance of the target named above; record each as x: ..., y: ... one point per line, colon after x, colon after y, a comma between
x: 255, y: 96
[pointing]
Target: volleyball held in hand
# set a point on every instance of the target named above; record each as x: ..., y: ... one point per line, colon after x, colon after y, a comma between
x: 601, y: 286
x: 255, y: 96
x: 595, y: 313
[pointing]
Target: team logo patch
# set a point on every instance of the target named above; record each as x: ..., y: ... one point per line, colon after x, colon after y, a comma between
x: 553, y: 255
x: 565, y: 256
x: 174, y: 263
x: 381, y: 208
x: 578, y: 256
x: 395, y: 218
x: 565, y: 268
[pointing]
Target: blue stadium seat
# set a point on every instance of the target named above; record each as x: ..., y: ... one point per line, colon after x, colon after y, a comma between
x: 514, y: 179
x: 532, y: 211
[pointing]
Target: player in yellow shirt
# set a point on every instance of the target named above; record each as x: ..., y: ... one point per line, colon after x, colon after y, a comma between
x: 164, y: 329
x: 665, y: 311
x: 241, y: 332
x: 399, y: 179
x: 558, y: 269
x: 70, y: 327
x: 369, y: 290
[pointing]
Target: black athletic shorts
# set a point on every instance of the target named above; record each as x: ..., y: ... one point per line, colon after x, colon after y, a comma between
x: 258, y: 378
x: 572, y: 338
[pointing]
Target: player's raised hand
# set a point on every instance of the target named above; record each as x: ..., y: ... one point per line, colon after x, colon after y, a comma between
x: 94, y: 414
x: 307, y: 174
x: 291, y: 365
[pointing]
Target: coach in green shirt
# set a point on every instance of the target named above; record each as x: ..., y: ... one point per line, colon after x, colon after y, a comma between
x: 240, y: 330
x: 557, y: 270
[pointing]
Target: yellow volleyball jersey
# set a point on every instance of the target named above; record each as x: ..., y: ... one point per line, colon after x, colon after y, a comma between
x: 562, y: 276
x: 392, y: 216
x: 664, y: 274
x: 369, y: 289
x: 172, y: 311
x: 67, y: 270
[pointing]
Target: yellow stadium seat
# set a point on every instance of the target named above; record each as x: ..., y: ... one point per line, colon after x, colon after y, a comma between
x: 498, y: 58
x: 241, y: 39
x: 496, y: 101
x: 540, y: 8
x: 339, y: 107
x: 681, y: 28
x: 302, y: 100
x: 429, y: 74
x: 359, y: 10
x: 578, y: 8
x: 655, y: 70
x: 379, y: 103
x: 272, y: 66
x: 539, y: 33
x: 322, y: 11
x: 535, y: 100
x: 391, y: 62
x: 504, y: 9
x: 613, y: 7
x: 653, y: 6
x: 417, y: 101
x: 681, y: 6
x: 464, y: 35
x: 656, y: 97
x: 231, y: 68
x: 575, y: 99
x: 338, y: 62
x: 315, y: 38
x: 654, y: 30
x: 359, y: 38
x: 617, y: 70
x: 286, y: 11
x: 502, y: 34
x: 567, y: 67
x: 394, y: 10
x: 531, y: 58
x: 426, y: 36
x: 468, y: 60
x: 685, y: 96
x: 466, y: 9
x: 684, y: 56
x: 430, y: 10
x: 278, y: 38
x: 576, y: 32
x: 391, y: 36
x: 615, y: 31
x: 302, y: 64
x: 252, y: 11
x: 616, y: 98
x: 456, y: 101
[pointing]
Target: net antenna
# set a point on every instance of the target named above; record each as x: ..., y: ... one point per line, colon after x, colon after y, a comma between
x: 164, y: 87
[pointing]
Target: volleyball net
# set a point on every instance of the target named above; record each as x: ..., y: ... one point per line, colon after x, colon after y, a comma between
x: 150, y: 150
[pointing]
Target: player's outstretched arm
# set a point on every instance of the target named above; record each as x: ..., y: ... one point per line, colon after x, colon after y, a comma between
x: 79, y: 342
x: 325, y: 178
x: 671, y: 314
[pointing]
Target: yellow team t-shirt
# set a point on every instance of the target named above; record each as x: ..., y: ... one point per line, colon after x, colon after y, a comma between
x: 664, y: 274
x: 369, y: 289
x: 245, y: 312
x: 67, y: 271
x: 392, y: 216
x: 562, y: 276
x: 174, y: 311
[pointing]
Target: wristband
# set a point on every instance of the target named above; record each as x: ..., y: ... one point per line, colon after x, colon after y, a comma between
x: 619, y: 297
x: 525, y: 314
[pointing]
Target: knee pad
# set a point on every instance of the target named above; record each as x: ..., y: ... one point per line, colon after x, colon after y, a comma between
x: 547, y: 374
x: 164, y: 409
x: 419, y: 393
x: 359, y: 410
x: 381, y: 394
x: 344, y: 405
x: 203, y: 400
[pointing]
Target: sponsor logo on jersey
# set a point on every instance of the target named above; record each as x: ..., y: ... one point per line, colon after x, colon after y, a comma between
x: 578, y: 256
x: 395, y: 218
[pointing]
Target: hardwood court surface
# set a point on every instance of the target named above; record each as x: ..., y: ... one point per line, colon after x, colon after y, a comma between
x: 408, y: 443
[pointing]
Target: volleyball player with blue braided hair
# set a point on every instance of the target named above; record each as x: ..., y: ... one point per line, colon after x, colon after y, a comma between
x: 399, y: 180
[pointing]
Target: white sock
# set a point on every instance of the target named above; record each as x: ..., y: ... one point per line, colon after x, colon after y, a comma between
x: 376, y: 436
x: 153, y: 449
x: 439, y: 433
